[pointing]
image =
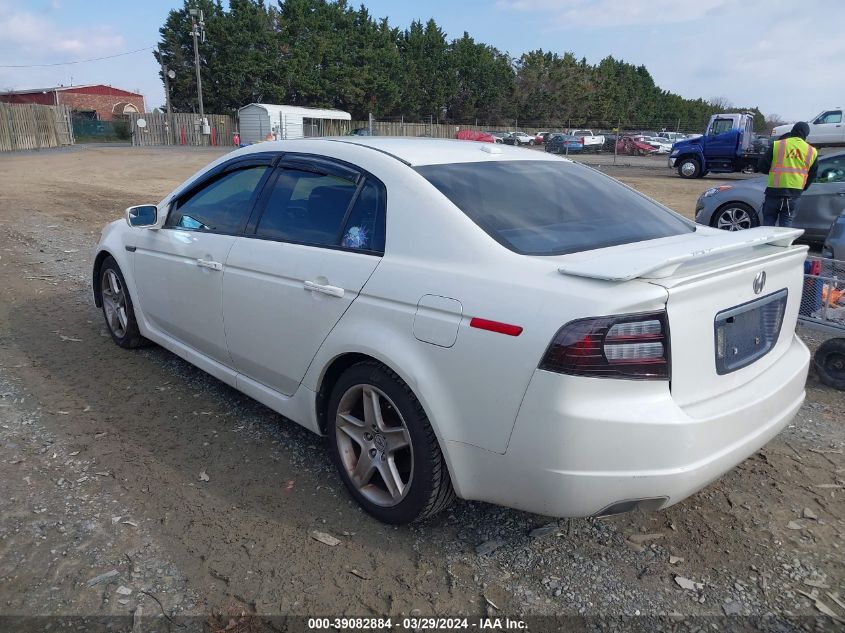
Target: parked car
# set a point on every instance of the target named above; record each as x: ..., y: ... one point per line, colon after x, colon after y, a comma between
x: 834, y: 243
x: 518, y: 138
x: 564, y: 144
x: 826, y: 128
x: 498, y: 137
x: 672, y: 137
x: 592, y: 142
x: 563, y: 362
x: 547, y: 135
x: 662, y: 145
x: 610, y: 142
x: 474, y: 135
x: 361, y: 131
x: 540, y: 137
x: 634, y: 146
x: 737, y: 204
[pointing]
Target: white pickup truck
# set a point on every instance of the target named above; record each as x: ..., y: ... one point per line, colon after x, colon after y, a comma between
x: 827, y: 128
x: 590, y: 142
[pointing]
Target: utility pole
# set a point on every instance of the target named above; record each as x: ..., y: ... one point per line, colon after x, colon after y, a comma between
x: 166, y: 73
x: 616, y: 144
x: 198, y: 31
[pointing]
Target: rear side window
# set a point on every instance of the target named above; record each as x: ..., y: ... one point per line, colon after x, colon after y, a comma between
x: 220, y: 206
x: 306, y: 207
x: 364, y: 229
x: 552, y: 207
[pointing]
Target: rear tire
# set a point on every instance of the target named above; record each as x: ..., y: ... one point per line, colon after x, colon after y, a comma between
x: 829, y: 360
x: 689, y: 168
x: 384, y: 447
x: 118, y: 309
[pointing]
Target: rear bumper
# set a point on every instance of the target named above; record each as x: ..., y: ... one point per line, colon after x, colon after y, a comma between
x: 581, y: 445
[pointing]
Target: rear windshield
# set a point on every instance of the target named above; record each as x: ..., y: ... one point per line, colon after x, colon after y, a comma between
x: 552, y: 207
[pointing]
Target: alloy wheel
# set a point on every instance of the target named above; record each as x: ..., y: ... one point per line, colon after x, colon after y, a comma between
x: 114, y: 303
x: 734, y: 219
x: 374, y: 445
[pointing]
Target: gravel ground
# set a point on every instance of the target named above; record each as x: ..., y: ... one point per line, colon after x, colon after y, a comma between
x: 105, y: 511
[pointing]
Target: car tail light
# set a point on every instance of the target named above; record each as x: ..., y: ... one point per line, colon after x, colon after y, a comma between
x: 634, y: 346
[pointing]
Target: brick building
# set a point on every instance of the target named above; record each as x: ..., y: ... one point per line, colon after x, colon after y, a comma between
x: 96, y: 101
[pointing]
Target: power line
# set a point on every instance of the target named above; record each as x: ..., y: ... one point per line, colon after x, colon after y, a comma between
x: 79, y: 61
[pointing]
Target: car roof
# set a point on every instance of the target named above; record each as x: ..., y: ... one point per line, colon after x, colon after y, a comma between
x: 421, y: 151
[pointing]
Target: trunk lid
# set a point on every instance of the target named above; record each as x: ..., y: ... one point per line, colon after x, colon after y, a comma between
x: 726, y: 326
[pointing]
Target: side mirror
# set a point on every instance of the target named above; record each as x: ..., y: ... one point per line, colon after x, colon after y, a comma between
x: 142, y: 215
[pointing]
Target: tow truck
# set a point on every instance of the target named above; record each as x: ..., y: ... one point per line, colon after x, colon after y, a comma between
x: 729, y: 145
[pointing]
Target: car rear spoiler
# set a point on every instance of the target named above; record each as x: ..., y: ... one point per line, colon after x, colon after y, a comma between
x: 653, y: 261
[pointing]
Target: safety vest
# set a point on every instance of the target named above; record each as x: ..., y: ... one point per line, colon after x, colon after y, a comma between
x: 793, y: 158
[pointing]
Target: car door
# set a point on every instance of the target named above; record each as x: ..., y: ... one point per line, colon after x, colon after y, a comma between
x: 827, y: 128
x: 823, y: 200
x: 179, y: 268
x: 315, y: 239
x: 721, y: 140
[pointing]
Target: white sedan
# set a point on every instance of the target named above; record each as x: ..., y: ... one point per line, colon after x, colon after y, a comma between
x: 469, y: 319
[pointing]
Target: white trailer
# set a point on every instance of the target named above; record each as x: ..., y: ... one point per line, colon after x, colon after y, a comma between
x: 257, y: 120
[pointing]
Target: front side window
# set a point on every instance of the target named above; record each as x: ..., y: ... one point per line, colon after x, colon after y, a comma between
x: 220, y: 206
x: 831, y: 169
x: 720, y: 126
x: 552, y: 207
x: 834, y: 116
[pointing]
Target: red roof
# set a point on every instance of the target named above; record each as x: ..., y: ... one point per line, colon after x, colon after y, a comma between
x: 90, y: 89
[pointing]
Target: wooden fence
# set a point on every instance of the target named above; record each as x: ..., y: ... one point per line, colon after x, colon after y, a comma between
x: 31, y: 126
x: 185, y: 129
x: 401, y: 128
x: 159, y: 128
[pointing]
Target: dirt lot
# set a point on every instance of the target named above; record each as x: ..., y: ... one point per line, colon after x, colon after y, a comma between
x: 101, y: 451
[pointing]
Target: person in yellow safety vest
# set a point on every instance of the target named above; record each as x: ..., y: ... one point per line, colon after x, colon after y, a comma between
x: 791, y: 166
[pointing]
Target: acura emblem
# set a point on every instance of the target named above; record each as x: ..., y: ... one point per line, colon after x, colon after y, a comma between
x: 759, y: 282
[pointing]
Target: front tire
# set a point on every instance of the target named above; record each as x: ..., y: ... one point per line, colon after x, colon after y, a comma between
x: 689, y: 168
x: 384, y: 447
x: 829, y: 360
x: 118, y: 309
x: 735, y: 216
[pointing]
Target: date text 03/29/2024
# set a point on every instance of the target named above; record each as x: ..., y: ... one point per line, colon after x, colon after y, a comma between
x: 416, y: 624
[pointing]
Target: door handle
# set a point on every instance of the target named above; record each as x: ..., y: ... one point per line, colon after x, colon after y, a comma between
x: 332, y: 291
x: 207, y: 263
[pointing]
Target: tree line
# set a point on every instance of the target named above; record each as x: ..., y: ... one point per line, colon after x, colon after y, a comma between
x: 321, y: 53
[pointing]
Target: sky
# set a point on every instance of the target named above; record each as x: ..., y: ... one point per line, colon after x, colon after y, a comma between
x: 787, y: 58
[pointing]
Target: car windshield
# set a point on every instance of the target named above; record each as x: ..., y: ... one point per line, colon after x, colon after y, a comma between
x: 552, y: 207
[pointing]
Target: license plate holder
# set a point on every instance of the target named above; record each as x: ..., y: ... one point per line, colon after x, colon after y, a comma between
x: 747, y: 332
